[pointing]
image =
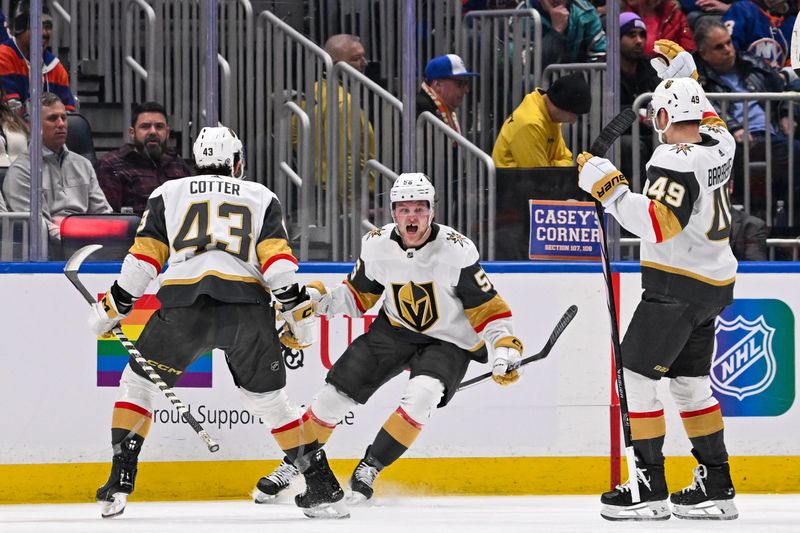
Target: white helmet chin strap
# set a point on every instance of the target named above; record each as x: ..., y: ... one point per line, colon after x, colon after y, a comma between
x: 666, y: 127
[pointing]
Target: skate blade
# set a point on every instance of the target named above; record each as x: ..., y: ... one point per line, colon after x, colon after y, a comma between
x: 115, y: 507
x: 640, y: 512
x: 331, y: 511
x: 710, y: 510
x: 262, y: 497
x: 356, y: 499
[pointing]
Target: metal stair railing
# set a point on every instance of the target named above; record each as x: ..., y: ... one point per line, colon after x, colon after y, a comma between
x: 504, y: 47
x: 465, y: 180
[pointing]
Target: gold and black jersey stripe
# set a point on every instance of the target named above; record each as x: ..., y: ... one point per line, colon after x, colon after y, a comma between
x: 151, y: 243
x: 481, y: 302
x: 273, y: 242
x: 366, y: 292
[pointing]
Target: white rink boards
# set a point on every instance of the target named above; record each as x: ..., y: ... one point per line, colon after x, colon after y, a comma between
x: 557, y: 417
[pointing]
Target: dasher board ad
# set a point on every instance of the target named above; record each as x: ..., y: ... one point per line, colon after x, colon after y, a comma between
x: 563, y: 231
x: 58, y: 380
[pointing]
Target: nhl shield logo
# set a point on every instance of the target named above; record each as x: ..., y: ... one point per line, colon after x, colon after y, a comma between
x: 744, y: 365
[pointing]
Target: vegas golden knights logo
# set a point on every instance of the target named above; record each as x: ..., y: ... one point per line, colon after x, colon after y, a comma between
x: 416, y: 304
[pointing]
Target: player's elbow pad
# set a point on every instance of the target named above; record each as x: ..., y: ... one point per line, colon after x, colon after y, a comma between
x: 136, y: 275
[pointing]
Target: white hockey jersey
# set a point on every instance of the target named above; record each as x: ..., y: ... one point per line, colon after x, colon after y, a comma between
x: 439, y: 289
x: 684, y: 218
x: 223, y: 237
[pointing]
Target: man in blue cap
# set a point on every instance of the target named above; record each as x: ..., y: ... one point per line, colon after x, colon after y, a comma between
x: 443, y: 90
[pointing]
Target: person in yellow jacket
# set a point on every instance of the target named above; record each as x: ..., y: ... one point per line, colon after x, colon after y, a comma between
x: 531, y: 135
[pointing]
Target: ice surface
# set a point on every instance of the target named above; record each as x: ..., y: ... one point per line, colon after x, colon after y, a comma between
x: 758, y: 513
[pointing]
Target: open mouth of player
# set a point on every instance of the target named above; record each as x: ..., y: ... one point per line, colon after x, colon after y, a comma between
x: 412, y: 229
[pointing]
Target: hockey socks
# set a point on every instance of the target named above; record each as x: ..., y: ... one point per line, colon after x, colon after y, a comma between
x: 647, y: 432
x: 705, y: 430
x: 296, y: 439
x: 395, y: 437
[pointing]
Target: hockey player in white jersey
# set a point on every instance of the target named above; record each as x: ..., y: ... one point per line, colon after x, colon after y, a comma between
x: 227, y: 249
x: 439, y: 312
x: 683, y: 219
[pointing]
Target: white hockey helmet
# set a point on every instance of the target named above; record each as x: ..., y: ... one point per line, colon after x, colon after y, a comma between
x: 218, y: 147
x: 682, y: 98
x: 411, y: 186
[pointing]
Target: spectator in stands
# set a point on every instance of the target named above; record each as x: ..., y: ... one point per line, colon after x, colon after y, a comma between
x: 724, y: 69
x: 14, y: 66
x: 637, y: 76
x: 3, y: 27
x: 762, y: 28
x: 663, y: 20
x: 129, y: 174
x: 696, y: 9
x: 69, y: 184
x: 14, y: 134
x: 347, y: 48
x: 342, y: 48
x: 531, y: 135
x: 442, y: 92
x: 572, y: 31
x: 748, y: 237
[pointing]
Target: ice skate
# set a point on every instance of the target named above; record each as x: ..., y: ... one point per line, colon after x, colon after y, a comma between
x: 618, y: 503
x: 113, y: 496
x: 323, y: 497
x: 268, y: 487
x: 709, y: 497
x: 362, y: 479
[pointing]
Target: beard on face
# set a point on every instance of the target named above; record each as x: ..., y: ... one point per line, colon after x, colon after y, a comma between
x: 152, y: 149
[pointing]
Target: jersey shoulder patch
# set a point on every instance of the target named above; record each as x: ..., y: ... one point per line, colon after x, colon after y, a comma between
x: 457, y: 246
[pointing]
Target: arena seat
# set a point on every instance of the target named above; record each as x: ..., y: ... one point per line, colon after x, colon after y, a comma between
x: 79, y: 137
x: 114, y: 231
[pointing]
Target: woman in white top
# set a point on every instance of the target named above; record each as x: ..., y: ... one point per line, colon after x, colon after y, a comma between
x: 14, y: 134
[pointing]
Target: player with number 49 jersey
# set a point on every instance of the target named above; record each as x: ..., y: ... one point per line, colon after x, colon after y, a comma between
x: 685, y: 229
x: 683, y: 218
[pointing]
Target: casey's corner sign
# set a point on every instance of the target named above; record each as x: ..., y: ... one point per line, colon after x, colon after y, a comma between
x: 563, y: 230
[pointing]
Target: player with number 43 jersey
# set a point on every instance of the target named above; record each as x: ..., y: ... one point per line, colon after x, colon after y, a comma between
x: 683, y: 217
x: 227, y: 248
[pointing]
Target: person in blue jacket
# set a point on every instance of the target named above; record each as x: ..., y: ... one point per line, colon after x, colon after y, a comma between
x: 761, y: 28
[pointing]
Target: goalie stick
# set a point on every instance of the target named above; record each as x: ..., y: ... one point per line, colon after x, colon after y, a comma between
x: 600, y: 146
x: 71, y: 271
x: 566, y: 318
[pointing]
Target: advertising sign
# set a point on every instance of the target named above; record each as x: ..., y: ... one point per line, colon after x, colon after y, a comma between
x: 563, y: 230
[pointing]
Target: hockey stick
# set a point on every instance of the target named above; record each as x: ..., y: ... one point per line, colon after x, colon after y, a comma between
x: 566, y: 318
x: 71, y: 271
x: 600, y: 146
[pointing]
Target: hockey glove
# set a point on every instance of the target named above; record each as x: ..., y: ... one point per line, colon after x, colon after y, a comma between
x: 302, y: 325
x: 115, y: 305
x: 673, y: 61
x: 507, y: 356
x: 320, y: 294
x: 599, y: 177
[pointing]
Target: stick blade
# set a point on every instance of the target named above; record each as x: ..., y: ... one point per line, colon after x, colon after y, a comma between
x: 74, y: 263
